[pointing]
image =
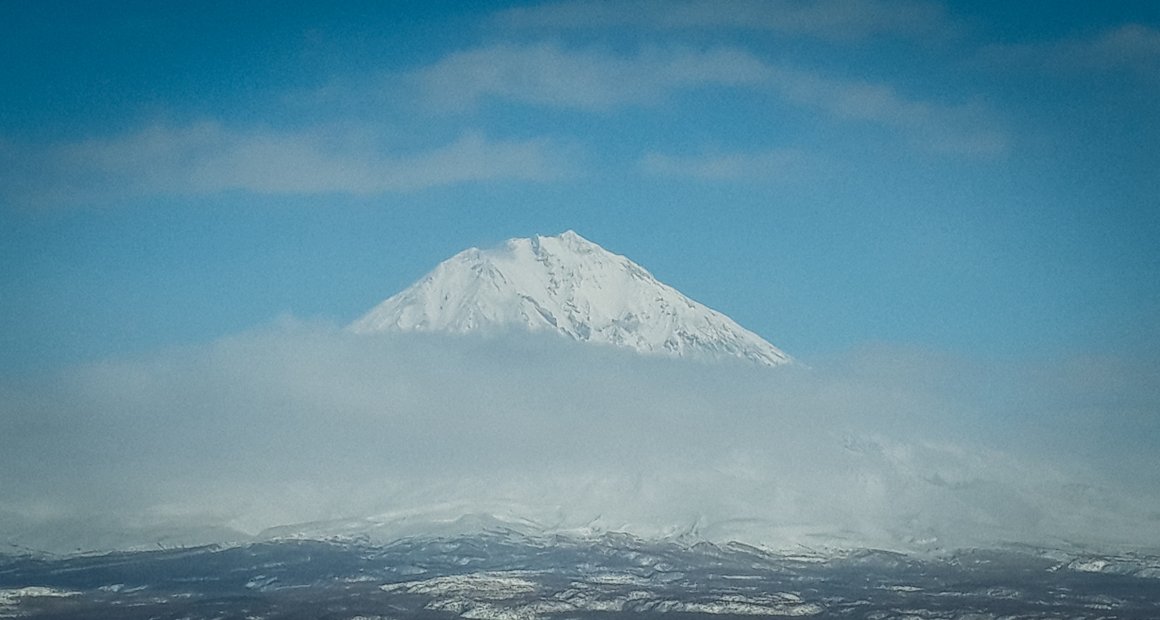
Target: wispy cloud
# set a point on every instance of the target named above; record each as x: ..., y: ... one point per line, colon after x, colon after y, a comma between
x: 1132, y: 47
x: 775, y: 165
x: 600, y: 80
x: 842, y: 20
x: 200, y: 158
x: 960, y: 129
x: 592, y: 79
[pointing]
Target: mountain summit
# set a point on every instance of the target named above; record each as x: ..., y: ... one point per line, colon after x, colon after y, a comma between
x: 572, y: 286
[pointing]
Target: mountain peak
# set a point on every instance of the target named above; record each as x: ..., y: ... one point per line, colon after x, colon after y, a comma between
x: 572, y: 239
x: 570, y: 285
x: 567, y: 241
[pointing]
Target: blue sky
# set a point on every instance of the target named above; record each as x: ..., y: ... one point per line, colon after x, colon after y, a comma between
x: 976, y: 178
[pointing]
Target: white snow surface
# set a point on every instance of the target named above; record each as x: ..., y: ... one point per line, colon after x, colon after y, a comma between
x: 572, y: 286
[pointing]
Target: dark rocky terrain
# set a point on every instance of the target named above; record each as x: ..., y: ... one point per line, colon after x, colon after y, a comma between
x: 505, y: 576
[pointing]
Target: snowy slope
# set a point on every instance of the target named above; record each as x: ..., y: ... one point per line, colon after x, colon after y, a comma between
x: 572, y: 286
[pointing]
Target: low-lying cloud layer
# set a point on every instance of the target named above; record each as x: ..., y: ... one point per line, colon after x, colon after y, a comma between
x: 300, y: 424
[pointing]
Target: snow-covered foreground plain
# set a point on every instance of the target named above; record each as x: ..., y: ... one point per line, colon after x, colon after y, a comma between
x: 503, y: 575
x: 311, y: 431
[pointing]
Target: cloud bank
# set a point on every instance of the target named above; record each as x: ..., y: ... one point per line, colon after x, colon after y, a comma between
x: 327, y: 432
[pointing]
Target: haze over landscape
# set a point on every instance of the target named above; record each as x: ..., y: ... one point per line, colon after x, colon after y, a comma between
x: 910, y: 247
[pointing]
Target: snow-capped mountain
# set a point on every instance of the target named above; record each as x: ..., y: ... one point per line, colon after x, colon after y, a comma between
x: 572, y: 286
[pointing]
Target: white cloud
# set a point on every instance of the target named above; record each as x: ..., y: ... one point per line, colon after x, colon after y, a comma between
x: 1133, y: 47
x: 961, y: 129
x: 547, y: 74
x: 777, y: 165
x: 200, y: 158
x: 599, y: 80
x: 297, y: 423
x: 840, y: 20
